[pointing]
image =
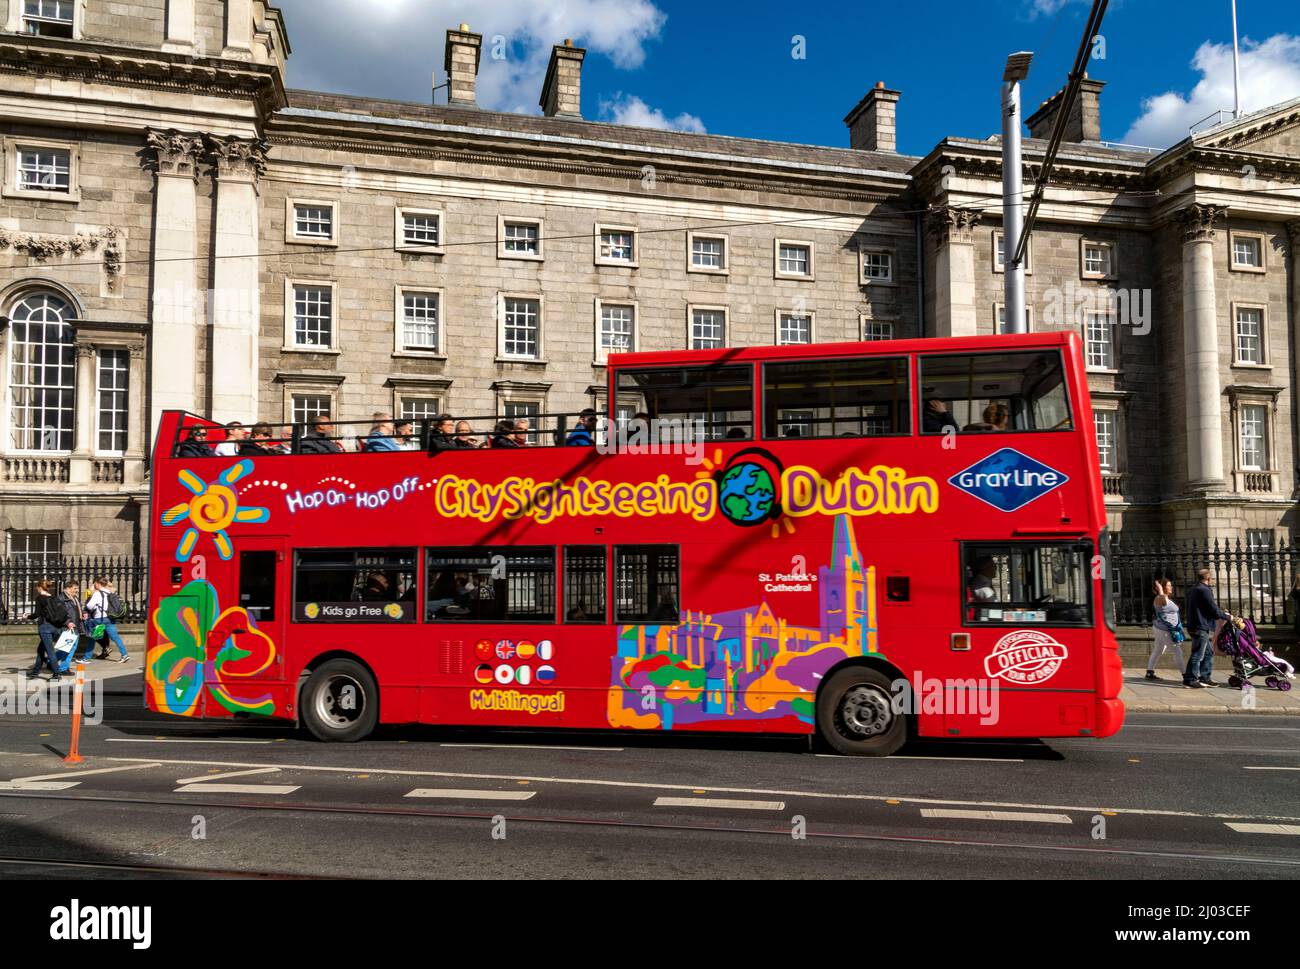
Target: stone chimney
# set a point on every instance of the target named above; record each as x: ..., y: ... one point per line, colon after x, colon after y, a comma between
x: 461, y: 65
x: 562, y: 89
x: 872, y: 123
x: 1084, y: 121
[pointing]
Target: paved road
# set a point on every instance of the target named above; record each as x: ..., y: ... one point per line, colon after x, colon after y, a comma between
x: 1179, y: 796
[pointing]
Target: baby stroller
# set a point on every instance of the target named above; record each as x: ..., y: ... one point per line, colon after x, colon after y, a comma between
x: 1250, y: 659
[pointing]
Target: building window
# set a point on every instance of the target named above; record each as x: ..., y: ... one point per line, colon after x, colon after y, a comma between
x: 1000, y: 253
x: 1000, y: 318
x: 708, y: 328
x: 44, y: 170
x: 419, y: 408
x: 419, y: 230
x: 1254, y: 437
x: 1247, y: 251
x: 708, y: 254
x: 1250, y: 335
x: 49, y: 18
x: 1098, y: 260
x: 306, y: 406
x: 877, y: 266
x: 1259, y: 545
x: 42, y: 374
x: 34, y: 555
x: 521, y: 327
x: 114, y: 377
x: 873, y: 330
x: 1099, y: 341
x: 794, y: 328
x: 615, y: 246
x: 313, y: 317
x: 421, y: 321
x: 312, y: 222
x: 794, y: 260
x: 1105, y: 424
x: 520, y: 239
x: 615, y: 329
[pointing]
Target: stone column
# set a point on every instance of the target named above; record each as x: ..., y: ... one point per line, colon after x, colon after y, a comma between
x: 1293, y: 329
x: 174, y: 310
x: 1201, y: 331
x: 239, y: 28
x: 133, y: 466
x: 80, y: 467
x: 953, y: 231
x: 180, y: 26
x: 236, y: 306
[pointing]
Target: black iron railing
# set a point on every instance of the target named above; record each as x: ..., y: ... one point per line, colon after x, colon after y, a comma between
x: 19, y: 575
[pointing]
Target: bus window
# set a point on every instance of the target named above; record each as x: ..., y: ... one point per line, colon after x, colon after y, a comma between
x: 720, y: 397
x: 515, y: 585
x: 647, y: 581
x: 836, y: 398
x: 1026, y: 583
x: 375, y: 585
x: 990, y: 392
x: 584, y: 584
x: 257, y: 584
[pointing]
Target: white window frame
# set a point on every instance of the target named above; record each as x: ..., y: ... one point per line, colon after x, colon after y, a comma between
x: 601, y: 354
x: 1084, y: 272
x: 399, y: 231
x: 866, y: 280
x: 999, y: 321
x: 810, y: 315
x: 291, y: 222
x: 864, y: 321
x: 1114, y: 340
x: 603, y: 227
x: 779, y: 273
x: 13, y: 187
x: 691, y: 309
x: 724, y: 270
x: 291, y: 285
x: 7, y: 387
x: 402, y: 398
x: 17, y: 22
x: 1265, y: 436
x: 998, y: 267
x: 400, y: 349
x: 292, y: 392
x: 1117, y: 437
x: 503, y: 253
x: 1265, y: 359
x: 1260, y: 240
x: 502, y: 356
x: 127, y: 416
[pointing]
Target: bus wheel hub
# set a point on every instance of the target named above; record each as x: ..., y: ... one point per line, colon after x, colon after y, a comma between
x: 865, y: 712
x: 340, y: 701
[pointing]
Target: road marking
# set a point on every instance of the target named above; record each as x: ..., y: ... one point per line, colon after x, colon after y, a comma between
x: 237, y: 789
x: 85, y: 773
x: 650, y: 785
x: 612, y: 750
x: 980, y: 760
x: 202, y: 778
x: 996, y: 816
x: 1271, y: 768
x: 719, y: 802
x: 1292, y: 829
x: 37, y: 785
x: 163, y: 740
x: 458, y: 795
x: 1175, y: 726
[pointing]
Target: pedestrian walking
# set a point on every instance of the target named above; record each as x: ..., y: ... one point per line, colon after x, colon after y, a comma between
x: 1167, y: 629
x: 51, y: 621
x: 1201, y: 613
x: 104, y: 607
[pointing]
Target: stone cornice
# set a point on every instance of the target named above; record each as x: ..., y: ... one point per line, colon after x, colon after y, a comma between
x: 112, y: 64
x: 985, y: 162
x: 1225, y: 161
x: 1250, y: 133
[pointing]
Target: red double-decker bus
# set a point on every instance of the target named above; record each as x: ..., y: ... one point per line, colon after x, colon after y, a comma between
x: 863, y: 540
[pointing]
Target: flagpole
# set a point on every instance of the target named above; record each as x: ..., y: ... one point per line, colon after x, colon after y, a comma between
x: 1236, y: 66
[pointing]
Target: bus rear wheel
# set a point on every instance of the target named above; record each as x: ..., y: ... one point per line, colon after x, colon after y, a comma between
x: 855, y: 714
x: 340, y: 702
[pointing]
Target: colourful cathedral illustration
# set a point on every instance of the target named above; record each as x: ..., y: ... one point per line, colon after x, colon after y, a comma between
x: 748, y: 663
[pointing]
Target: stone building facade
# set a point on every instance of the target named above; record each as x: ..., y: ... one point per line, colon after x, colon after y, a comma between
x: 179, y: 230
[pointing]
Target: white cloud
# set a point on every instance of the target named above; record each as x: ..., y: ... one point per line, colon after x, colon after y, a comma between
x: 631, y: 110
x: 1042, y: 8
x: 1270, y: 74
x: 391, y: 49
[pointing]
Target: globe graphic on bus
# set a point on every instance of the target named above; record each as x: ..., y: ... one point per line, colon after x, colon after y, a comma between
x: 746, y: 493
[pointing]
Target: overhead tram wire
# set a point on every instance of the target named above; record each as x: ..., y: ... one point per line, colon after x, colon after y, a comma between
x: 1081, y: 58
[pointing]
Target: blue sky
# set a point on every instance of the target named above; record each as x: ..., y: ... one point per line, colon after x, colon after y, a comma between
x: 727, y: 67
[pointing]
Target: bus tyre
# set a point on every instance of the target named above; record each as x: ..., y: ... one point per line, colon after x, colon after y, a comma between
x: 339, y: 701
x: 855, y: 714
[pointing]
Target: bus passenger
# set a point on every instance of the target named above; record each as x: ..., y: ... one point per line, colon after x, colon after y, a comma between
x: 980, y: 585
x: 584, y: 432
x: 320, y: 438
x: 196, y: 445
x: 937, y: 419
x: 504, y: 435
x: 443, y: 437
x: 381, y: 434
x: 522, y: 438
x: 377, y: 588
x: 236, y: 433
x: 995, y: 418
x: 259, y: 442
x: 465, y: 436
x: 404, y: 435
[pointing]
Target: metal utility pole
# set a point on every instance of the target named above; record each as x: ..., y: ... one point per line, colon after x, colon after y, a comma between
x: 1017, y: 70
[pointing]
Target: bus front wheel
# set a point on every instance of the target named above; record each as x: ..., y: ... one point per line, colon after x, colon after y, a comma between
x: 855, y: 714
x: 340, y: 701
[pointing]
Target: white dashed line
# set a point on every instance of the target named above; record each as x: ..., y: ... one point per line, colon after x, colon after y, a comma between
x: 82, y: 773
x: 237, y: 789
x: 1241, y: 828
x: 1271, y: 768
x: 996, y: 816
x: 37, y: 785
x: 205, y: 778
x: 452, y: 794
x: 159, y: 740
x: 612, y: 750
x: 719, y: 802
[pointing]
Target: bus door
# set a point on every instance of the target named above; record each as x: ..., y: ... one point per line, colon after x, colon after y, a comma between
x: 261, y: 589
x: 1027, y: 638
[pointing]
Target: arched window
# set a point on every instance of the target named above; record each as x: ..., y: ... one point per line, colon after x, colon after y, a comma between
x: 42, y: 373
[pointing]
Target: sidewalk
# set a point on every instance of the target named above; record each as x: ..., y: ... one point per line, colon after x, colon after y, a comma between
x: 1168, y: 695
x: 118, y: 677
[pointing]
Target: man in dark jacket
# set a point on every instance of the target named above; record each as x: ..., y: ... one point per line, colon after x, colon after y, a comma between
x: 1201, y: 613
x: 584, y: 432
x: 443, y: 437
x: 196, y: 445
x: 319, y: 439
